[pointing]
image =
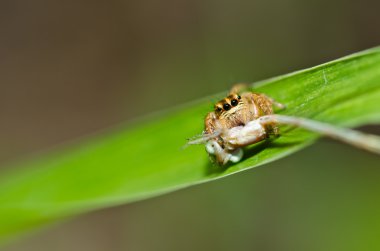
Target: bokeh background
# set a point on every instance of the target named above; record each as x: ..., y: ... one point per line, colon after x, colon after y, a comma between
x: 72, y: 68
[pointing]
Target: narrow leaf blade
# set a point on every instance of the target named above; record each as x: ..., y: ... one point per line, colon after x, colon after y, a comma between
x: 148, y: 159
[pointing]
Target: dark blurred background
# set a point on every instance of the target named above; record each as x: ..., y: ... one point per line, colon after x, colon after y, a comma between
x: 72, y: 68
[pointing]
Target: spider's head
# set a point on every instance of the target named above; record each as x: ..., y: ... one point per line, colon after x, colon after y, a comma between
x: 228, y: 105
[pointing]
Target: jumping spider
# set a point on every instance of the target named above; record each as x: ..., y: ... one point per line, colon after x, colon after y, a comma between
x: 244, y: 118
x: 233, y: 124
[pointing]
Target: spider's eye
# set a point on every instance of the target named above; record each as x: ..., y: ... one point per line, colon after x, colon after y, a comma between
x: 218, y: 109
x: 226, y: 107
x: 238, y: 97
x: 234, y: 102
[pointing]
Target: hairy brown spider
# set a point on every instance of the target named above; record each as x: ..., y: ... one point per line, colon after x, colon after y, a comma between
x: 231, y: 125
x: 244, y: 118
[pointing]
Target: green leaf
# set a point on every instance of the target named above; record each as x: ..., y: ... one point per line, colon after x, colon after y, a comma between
x: 147, y: 158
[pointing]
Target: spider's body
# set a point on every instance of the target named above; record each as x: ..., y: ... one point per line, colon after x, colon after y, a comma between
x: 232, y: 120
x: 245, y: 118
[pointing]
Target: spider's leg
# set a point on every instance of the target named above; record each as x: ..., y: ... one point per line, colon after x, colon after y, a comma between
x: 239, y: 88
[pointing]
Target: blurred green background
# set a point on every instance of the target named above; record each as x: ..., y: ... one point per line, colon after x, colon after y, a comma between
x: 72, y: 68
